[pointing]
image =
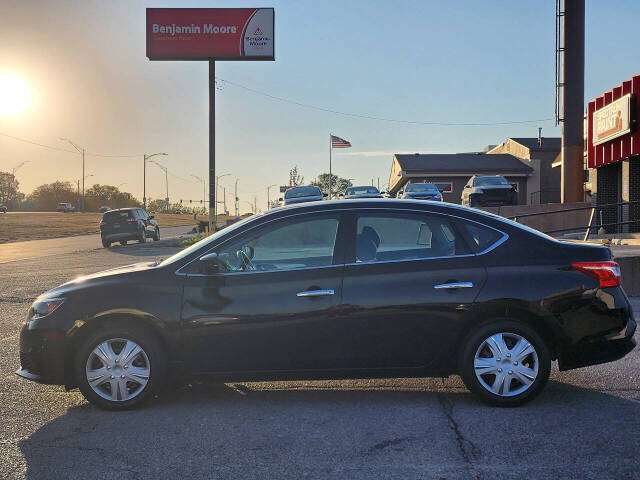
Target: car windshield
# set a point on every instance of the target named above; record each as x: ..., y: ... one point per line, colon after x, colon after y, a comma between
x: 490, y: 181
x: 206, y: 241
x: 361, y: 190
x: 422, y: 187
x: 299, y: 192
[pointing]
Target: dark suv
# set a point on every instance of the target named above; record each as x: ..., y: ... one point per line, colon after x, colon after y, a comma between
x: 488, y: 190
x: 127, y: 224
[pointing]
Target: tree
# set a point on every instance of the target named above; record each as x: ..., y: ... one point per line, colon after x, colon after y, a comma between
x: 338, y: 185
x: 46, y: 197
x: 110, y: 196
x: 9, y: 191
x: 156, y: 205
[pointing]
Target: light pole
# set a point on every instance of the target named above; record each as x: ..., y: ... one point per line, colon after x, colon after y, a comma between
x: 17, y: 167
x: 214, y: 225
x: 166, y: 183
x: 80, y: 150
x: 83, y: 197
x: 123, y: 183
x: 144, y: 177
x: 204, y: 191
x: 269, y: 196
x: 237, y: 200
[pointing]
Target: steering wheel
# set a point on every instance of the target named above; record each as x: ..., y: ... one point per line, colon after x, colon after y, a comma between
x: 247, y: 264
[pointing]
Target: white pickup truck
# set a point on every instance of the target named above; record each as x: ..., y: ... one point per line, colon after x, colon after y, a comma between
x: 65, y: 207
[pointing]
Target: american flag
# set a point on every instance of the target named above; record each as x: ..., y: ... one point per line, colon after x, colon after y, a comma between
x: 337, y: 142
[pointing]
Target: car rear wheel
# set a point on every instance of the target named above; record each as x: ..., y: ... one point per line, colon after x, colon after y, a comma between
x: 106, y: 243
x: 156, y: 235
x: 123, y: 242
x: 506, y: 363
x: 142, y: 236
x: 118, y: 368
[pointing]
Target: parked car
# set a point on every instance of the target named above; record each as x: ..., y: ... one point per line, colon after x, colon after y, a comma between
x: 104, y: 209
x: 362, y: 192
x: 3, y: 209
x: 488, y: 190
x: 65, y: 207
x: 126, y: 224
x: 365, y: 288
x: 421, y: 191
x: 300, y: 194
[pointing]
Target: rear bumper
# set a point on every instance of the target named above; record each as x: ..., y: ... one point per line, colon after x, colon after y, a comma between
x: 113, y: 237
x: 42, y: 359
x: 600, y: 350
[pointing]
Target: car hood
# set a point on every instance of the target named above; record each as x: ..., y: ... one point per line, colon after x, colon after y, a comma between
x: 291, y: 201
x: 84, y: 280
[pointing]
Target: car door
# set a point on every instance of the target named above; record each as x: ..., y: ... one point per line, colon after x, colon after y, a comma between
x: 409, y: 278
x: 271, y: 301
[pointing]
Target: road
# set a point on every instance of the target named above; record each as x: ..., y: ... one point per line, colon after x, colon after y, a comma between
x: 13, y: 251
x: 586, y: 425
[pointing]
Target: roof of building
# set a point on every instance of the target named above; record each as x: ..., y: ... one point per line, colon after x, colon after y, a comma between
x: 548, y: 143
x: 470, y: 163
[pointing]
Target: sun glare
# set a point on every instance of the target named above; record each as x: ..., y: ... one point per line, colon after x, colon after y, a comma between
x: 15, y: 95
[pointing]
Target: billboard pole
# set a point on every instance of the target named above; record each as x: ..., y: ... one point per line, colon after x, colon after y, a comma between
x: 212, y: 147
x: 330, y: 166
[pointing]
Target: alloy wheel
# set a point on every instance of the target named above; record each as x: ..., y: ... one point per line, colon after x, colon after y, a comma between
x: 118, y: 369
x: 506, y: 364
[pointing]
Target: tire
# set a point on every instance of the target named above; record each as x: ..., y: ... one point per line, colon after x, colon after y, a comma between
x: 123, y: 243
x: 156, y: 235
x: 132, y: 389
x: 142, y: 236
x: 106, y: 243
x: 515, y: 370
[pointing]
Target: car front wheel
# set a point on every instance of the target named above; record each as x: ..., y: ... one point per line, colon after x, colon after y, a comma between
x: 118, y: 368
x: 156, y: 235
x: 506, y: 363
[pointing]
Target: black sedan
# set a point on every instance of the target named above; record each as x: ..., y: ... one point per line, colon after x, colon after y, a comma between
x: 366, y: 288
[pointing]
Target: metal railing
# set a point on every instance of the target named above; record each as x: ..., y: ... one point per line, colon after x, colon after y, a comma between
x: 592, y: 225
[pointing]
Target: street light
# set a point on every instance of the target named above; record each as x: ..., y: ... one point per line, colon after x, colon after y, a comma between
x: 166, y: 183
x: 204, y: 190
x: 123, y: 183
x: 80, y: 150
x: 269, y: 196
x: 17, y: 167
x: 144, y: 177
x: 214, y: 225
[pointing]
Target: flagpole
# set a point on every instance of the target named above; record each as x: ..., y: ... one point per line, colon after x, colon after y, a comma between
x: 330, y: 166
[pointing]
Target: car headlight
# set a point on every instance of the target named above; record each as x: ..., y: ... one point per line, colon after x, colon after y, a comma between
x: 43, y: 307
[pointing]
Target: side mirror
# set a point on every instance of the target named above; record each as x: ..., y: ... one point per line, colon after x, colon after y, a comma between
x: 152, y: 217
x: 325, y: 195
x: 467, y: 186
x: 212, y: 263
x: 280, y: 199
x: 400, y: 193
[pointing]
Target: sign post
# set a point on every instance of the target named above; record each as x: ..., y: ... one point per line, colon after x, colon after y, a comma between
x: 210, y: 34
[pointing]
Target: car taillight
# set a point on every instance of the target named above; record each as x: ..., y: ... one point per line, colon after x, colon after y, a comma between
x: 607, y: 273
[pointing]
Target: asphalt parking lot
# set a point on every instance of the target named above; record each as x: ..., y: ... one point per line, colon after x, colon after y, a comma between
x: 585, y: 426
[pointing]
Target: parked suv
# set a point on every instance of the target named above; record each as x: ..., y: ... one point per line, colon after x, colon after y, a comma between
x: 65, y: 207
x: 128, y: 224
x: 488, y: 190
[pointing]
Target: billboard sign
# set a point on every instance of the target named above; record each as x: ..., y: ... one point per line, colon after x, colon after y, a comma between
x: 210, y: 34
x: 612, y: 121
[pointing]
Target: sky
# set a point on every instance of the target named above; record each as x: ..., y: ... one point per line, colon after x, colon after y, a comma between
x: 468, y: 61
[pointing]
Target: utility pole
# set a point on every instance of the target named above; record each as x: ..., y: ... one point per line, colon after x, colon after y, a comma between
x: 144, y: 177
x: 224, y: 199
x: 572, y: 84
x: 215, y: 196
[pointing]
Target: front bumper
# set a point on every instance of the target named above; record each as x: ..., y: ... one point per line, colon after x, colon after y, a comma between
x: 596, y: 351
x: 42, y: 356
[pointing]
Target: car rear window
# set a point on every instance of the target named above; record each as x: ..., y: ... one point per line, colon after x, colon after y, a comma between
x: 299, y: 192
x: 117, y: 216
x: 483, y: 237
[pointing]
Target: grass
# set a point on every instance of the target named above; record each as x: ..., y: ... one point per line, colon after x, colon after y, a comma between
x: 191, y: 240
x: 35, y: 225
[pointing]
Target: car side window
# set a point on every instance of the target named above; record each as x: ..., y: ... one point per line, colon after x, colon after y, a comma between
x: 285, y: 245
x: 389, y: 236
x: 483, y: 237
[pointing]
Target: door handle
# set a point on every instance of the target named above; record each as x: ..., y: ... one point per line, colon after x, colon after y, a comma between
x: 315, y: 293
x: 453, y: 285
